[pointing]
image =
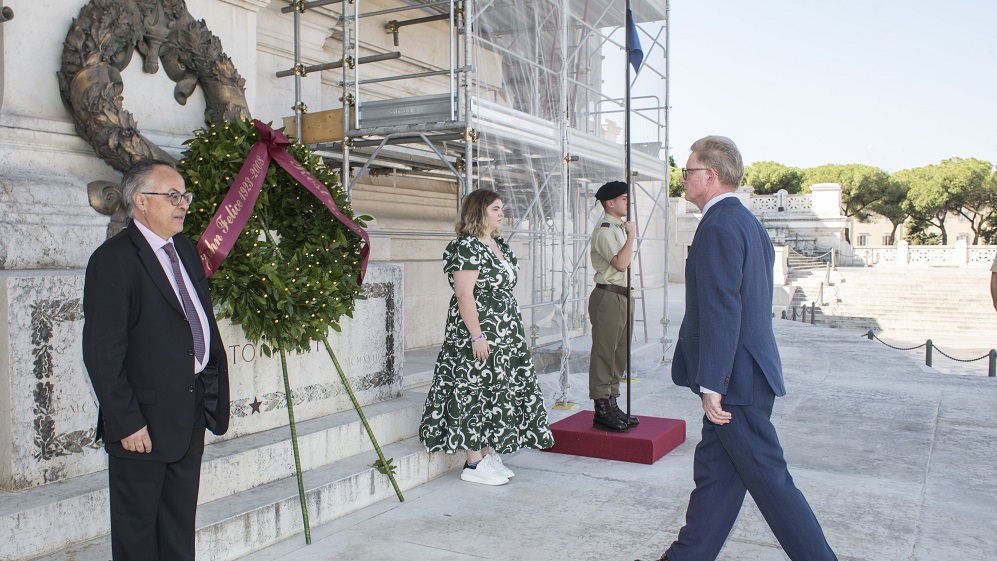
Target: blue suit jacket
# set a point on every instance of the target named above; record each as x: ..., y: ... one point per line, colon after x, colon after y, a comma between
x: 728, y: 307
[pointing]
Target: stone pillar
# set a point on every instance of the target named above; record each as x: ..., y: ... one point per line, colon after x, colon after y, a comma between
x: 903, y: 254
x: 826, y: 199
x: 960, y: 252
x: 781, y: 265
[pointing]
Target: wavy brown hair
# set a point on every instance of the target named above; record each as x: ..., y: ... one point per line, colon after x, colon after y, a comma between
x: 473, y: 210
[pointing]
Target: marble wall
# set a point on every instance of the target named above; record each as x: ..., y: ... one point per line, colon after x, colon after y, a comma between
x: 47, y: 434
x: 48, y: 230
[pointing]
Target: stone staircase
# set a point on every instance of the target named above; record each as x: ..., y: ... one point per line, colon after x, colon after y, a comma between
x: 803, y: 262
x: 925, y: 303
x: 249, y: 497
x: 810, y: 288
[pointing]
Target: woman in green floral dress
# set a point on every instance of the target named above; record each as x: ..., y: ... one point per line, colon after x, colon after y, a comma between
x: 484, y: 399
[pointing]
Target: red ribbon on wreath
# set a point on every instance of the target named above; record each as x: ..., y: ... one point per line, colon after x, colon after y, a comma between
x: 237, y: 206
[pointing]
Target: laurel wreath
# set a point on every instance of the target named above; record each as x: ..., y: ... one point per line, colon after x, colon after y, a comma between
x: 293, y: 272
x: 100, y: 44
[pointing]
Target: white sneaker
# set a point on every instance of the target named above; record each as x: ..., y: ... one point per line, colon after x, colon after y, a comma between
x: 483, y: 473
x: 496, y: 464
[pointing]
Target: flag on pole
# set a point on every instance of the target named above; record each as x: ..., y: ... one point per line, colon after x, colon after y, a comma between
x: 634, y: 51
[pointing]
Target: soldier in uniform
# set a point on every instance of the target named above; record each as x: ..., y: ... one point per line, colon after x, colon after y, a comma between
x: 612, y: 250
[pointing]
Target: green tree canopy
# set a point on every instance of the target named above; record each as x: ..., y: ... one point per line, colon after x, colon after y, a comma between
x: 956, y: 186
x: 926, y: 203
x: 989, y: 228
x: 973, y: 193
x: 675, y: 187
x: 861, y: 185
x: 890, y: 206
x: 918, y: 233
x: 770, y: 177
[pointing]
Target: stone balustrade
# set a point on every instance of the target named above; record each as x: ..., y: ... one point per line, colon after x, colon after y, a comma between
x: 824, y: 200
x: 904, y: 255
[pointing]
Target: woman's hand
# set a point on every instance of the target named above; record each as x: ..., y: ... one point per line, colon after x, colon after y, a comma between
x: 464, y: 289
x: 480, y: 349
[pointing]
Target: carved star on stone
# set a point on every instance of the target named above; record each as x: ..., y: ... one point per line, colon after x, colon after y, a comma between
x: 255, y: 405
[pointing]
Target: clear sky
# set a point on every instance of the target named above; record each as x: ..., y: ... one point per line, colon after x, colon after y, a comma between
x: 889, y: 83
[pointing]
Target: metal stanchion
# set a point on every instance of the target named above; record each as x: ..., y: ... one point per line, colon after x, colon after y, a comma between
x: 992, y: 372
x: 927, y: 352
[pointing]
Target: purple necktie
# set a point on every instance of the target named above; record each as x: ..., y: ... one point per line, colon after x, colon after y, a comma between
x: 188, y: 304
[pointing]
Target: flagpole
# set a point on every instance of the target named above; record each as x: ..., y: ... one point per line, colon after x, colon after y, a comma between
x: 628, y: 22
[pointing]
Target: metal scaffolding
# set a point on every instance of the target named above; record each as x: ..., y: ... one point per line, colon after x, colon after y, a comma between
x: 521, y: 96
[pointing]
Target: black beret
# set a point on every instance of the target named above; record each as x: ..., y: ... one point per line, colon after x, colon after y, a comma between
x: 611, y: 190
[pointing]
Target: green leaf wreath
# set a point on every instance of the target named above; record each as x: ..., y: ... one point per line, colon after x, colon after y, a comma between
x: 293, y: 272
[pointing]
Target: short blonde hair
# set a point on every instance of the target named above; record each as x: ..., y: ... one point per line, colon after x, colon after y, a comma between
x: 473, y: 210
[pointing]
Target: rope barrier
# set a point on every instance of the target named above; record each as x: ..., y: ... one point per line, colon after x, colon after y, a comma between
x: 874, y: 336
x: 941, y: 352
x: 931, y: 347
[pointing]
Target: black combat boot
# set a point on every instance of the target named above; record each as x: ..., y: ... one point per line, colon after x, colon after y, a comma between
x: 630, y: 421
x: 606, y: 418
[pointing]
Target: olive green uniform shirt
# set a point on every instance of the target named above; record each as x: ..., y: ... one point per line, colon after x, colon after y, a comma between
x: 608, y: 239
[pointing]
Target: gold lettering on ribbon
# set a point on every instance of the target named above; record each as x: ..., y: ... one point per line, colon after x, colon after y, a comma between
x: 235, y: 207
x: 229, y: 213
x: 319, y: 189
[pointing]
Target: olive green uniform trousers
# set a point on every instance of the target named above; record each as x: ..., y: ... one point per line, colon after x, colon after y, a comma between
x: 608, y: 359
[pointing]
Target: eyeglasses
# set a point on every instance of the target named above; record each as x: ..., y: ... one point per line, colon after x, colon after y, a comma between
x: 685, y: 171
x: 175, y: 196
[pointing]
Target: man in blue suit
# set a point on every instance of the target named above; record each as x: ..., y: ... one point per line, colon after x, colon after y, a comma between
x: 726, y: 353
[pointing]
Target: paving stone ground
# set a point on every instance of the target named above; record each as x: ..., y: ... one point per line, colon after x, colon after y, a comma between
x: 898, y: 461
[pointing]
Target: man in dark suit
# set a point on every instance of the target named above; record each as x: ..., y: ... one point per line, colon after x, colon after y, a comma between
x: 726, y: 353
x: 158, y: 367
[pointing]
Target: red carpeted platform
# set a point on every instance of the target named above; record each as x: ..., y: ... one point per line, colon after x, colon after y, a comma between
x: 644, y: 444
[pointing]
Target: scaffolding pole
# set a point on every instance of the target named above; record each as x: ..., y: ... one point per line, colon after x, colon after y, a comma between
x: 536, y: 127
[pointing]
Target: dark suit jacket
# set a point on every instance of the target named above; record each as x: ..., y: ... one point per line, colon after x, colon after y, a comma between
x: 728, y: 319
x: 138, y: 350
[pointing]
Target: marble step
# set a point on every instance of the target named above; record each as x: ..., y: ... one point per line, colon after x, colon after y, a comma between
x: 921, y: 314
x: 237, y: 525
x: 48, y: 518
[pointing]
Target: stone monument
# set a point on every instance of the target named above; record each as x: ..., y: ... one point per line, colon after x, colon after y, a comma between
x: 71, y: 96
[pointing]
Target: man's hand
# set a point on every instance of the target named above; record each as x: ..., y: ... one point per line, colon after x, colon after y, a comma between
x: 630, y: 228
x: 138, y: 442
x: 711, y: 405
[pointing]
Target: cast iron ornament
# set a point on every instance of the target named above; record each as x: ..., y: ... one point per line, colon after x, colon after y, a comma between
x: 100, y: 44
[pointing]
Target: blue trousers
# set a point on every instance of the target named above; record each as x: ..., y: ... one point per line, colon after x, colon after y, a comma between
x: 745, y: 456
